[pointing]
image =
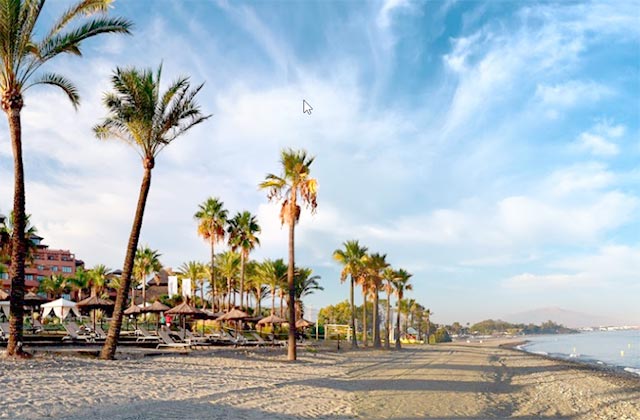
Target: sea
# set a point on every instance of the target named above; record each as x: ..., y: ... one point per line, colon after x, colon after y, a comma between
x: 619, y: 349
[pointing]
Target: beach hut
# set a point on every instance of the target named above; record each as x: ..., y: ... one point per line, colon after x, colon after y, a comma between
x: 60, y: 307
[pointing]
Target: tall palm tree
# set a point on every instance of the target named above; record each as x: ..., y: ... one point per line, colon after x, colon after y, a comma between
x: 99, y: 276
x: 81, y: 280
x: 212, y: 221
x: 374, y: 267
x: 242, y: 230
x: 388, y: 275
x: 364, y: 282
x: 194, y: 271
x: 401, y: 285
x: 228, y: 264
x: 148, y: 120
x: 146, y: 262
x: 352, y: 260
x: 295, y: 183
x: 54, y: 286
x: 6, y: 233
x: 306, y: 284
x: 22, y: 57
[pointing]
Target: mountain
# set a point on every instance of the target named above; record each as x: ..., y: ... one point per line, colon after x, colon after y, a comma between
x: 565, y: 317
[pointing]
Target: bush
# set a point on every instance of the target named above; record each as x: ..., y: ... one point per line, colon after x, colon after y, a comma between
x: 441, y: 336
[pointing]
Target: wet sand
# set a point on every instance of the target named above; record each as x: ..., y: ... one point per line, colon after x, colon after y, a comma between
x: 455, y: 381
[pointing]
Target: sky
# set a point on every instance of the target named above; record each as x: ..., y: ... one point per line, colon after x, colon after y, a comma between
x: 489, y: 148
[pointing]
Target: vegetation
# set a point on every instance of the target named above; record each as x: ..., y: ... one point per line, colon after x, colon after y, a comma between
x: 146, y: 262
x: 295, y: 183
x: 23, y: 56
x: 143, y: 117
x: 492, y: 327
x: 352, y: 258
x: 243, y: 230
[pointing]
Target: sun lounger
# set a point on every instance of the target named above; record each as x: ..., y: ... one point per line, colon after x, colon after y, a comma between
x: 145, y: 335
x: 195, y: 339
x: 167, y: 341
x: 99, y: 333
x: 75, y: 333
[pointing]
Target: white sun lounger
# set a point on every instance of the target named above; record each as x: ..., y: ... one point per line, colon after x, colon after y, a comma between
x: 167, y: 341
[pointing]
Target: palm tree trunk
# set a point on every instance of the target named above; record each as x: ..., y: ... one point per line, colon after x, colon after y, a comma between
x: 397, y: 333
x: 144, y: 290
x: 291, y: 355
x: 365, y: 341
x: 133, y: 295
x: 109, y: 349
x: 202, y: 294
x: 273, y: 300
x: 228, y: 294
x: 18, y: 241
x: 376, y: 319
x: 387, y: 323
x: 354, y: 339
x: 213, y: 277
x: 281, y: 304
x: 242, y: 281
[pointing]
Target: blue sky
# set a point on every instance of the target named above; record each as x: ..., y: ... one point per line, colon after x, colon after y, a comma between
x: 491, y: 149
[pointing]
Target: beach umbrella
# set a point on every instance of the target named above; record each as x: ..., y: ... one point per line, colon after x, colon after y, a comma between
x: 271, y: 319
x: 156, y: 307
x: 234, y: 315
x: 184, y: 310
x: 303, y: 323
x: 94, y: 302
x: 31, y: 299
x: 3, y: 295
x: 133, y: 310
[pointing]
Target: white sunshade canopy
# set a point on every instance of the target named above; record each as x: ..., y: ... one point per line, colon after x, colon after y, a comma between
x: 4, y: 307
x: 60, y: 307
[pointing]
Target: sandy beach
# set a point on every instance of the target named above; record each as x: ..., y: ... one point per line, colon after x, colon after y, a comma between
x: 446, y: 381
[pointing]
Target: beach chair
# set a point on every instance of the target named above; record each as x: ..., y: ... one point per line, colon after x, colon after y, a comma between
x: 257, y: 339
x: 99, y: 333
x: 37, y: 327
x: 195, y: 339
x: 75, y: 333
x: 167, y: 341
x: 145, y: 336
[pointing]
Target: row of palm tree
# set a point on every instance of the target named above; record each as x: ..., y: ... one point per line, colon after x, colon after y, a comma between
x: 373, y: 274
x: 139, y: 114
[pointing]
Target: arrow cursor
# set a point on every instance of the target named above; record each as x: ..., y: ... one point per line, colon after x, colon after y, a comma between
x: 306, y: 108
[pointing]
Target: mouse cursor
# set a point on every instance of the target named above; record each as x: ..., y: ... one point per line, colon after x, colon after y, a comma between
x: 306, y: 108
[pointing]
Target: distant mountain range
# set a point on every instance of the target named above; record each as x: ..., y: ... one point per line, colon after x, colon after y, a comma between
x: 565, y: 317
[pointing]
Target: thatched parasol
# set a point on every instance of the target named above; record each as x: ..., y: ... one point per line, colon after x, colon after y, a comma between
x: 156, y: 307
x: 184, y: 310
x: 31, y: 299
x: 233, y: 315
x: 271, y: 319
x: 133, y: 310
x: 93, y: 303
x: 303, y: 323
x: 4, y: 295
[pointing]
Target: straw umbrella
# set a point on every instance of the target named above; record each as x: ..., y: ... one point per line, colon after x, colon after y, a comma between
x: 157, y: 307
x: 303, y: 323
x: 272, y: 320
x: 133, y: 310
x: 93, y: 303
x: 234, y: 315
x: 184, y: 310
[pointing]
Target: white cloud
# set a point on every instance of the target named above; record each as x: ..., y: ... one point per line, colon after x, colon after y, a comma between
x: 597, y: 145
x: 574, y: 92
x: 385, y: 14
x: 579, y: 178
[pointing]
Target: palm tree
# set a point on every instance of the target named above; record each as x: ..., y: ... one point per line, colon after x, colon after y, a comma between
x: 228, y: 264
x: 148, y: 120
x: 388, y: 276
x: 364, y: 282
x: 194, y: 271
x: 212, y: 221
x: 295, y: 183
x: 22, y: 57
x: 272, y: 272
x: 242, y: 238
x: 98, y: 278
x: 352, y: 260
x: 146, y: 262
x: 54, y: 286
x: 306, y: 284
x: 401, y: 285
x: 80, y: 281
x: 374, y: 266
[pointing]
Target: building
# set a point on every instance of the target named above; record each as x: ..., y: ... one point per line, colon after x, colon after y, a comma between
x: 46, y: 262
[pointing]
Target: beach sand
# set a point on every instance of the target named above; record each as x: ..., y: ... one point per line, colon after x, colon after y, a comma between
x: 457, y: 381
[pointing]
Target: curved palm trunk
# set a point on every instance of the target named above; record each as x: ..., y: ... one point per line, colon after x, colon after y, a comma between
x: 354, y: 339
x: 242, y: 282
x: 18, y: 241
x: 291, y: 354
x: 109, y: 348
x: 376, y: 319
x: 397, y: 334
x: 213, y: 276
x: 365, y: 341
x: 387, y: 324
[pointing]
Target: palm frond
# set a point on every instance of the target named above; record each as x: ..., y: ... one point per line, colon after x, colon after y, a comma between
x: 62, y: 82
x: 82, y: 8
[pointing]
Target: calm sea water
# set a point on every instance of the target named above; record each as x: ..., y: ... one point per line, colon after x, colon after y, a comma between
x: 615, y: 348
